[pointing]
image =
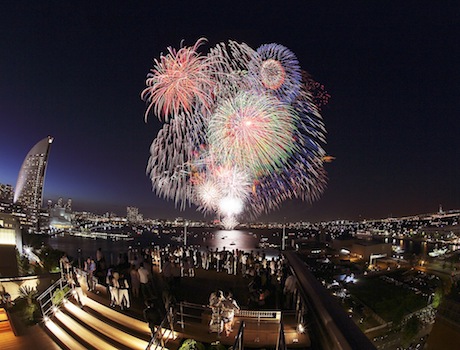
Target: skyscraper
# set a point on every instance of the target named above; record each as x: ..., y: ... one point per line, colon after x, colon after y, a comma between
x: 29, y: 187
x: 132, y: 214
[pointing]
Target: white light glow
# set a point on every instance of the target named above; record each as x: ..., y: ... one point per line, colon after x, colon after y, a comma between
x: 300, y: 328
x: 231, y: 206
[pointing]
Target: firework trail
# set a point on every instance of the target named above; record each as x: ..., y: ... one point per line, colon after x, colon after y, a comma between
x: 242, y: 131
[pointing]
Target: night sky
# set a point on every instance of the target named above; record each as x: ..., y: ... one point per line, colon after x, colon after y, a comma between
x: 75, y: 70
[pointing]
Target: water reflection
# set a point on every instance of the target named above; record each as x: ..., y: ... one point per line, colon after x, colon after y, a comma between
x: 80, y: 248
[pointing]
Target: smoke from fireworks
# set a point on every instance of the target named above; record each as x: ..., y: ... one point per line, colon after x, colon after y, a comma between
x: 242, y: 133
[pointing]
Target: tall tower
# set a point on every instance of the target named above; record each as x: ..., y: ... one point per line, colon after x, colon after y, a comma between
x: 29, y: 187
x: 132, y: 214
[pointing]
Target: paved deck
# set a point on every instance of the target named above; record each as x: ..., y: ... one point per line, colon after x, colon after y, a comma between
x: 197, y: 290
x: 263, y: 334
x: 28, y: 338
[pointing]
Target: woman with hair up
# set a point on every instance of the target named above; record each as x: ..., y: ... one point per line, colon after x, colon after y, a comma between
x: 215, y: 303
x: 229, y: 306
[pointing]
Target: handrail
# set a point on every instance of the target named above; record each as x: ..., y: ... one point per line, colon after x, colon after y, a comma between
x: 333, y: 327
x: 256, y: 314
x: 239, y: 338
x: 45, y: 298
x: 159, y: 334
x: 262, y: 314
x: 281, y: 345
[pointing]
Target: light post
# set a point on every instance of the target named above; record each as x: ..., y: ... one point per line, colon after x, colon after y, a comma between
x: 185, y: 233
x: 283, y: 239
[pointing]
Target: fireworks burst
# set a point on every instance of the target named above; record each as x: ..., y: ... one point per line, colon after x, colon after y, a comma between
x: 177, y: 81
x: 278, y: 70
x: 243, y: 131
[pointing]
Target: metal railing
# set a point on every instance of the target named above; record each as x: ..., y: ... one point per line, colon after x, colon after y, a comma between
x: 186, y: 310
x: 329, y: 325
x: 281, y: 345
x: 239, y: 339
x: 264, y: 315
x: 158, y: 338
x: 194, y: 311
x: 45, y: 300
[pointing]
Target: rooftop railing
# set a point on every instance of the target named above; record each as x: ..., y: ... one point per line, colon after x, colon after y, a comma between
x: 330, y: 326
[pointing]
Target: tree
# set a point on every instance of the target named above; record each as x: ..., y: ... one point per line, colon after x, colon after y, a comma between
x: 410, y: 330
x: 437, y: 297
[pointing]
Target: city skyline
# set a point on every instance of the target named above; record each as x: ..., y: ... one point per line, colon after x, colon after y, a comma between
x: 76, y: 72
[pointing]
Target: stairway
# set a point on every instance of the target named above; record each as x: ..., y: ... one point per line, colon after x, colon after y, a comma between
x: 97, y: 326
x: 4, y: 322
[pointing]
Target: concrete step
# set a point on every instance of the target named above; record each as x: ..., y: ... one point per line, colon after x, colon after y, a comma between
x: 62, y: 336
x: 81, y: 332
x: 96, y: 325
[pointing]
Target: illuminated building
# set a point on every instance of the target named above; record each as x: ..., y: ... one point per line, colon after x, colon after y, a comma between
x: 10, y: 239
x: 60, y: 216
x: 132, y: 214
x: 6, y: 197
x: 6, y: 193
x: 29, y: 187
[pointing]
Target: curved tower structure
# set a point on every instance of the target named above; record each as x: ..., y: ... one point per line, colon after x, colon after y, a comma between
x: 29, y: 187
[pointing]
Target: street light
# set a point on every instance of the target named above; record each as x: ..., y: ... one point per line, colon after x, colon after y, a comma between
x: 283, y: 239
x: 185, y: 233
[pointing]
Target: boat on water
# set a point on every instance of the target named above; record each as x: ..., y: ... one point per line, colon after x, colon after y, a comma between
x: 438, y: 252
x: 102, y: 235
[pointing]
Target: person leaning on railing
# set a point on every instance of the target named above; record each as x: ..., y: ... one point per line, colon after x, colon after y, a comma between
x: 229, y: 305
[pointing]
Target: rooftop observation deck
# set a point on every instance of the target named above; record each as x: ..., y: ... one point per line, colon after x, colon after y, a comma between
x: 98, y: 326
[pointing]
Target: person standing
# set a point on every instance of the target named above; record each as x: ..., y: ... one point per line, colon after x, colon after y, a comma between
x: 78, y: 292
x: 215, y: 303
x: 167, y: 271
x: 90, y: 267
x: 289, y: 290
x: 99, y: 255
x: 135, y: 281
x: 65, y: 266
x: 112, y: 283
x: 144, y: 281
x: 123, y: 292
x: 152, y: 315
x: 175, y: 272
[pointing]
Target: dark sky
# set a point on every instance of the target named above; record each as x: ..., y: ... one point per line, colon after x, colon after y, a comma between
x: 75, y: 70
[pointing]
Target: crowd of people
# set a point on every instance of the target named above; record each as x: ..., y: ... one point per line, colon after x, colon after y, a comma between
x: 132, y: 276
x: 266, y: 275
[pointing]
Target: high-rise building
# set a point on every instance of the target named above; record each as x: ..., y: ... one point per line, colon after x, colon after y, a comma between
x: 10, y: 240
x: 6, y: 193
x: 6, y: 198
x: 29, y: 187
x: 132, y: 214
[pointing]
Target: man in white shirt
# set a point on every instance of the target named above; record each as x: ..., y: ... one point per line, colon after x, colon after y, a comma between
x: 144, y: 275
